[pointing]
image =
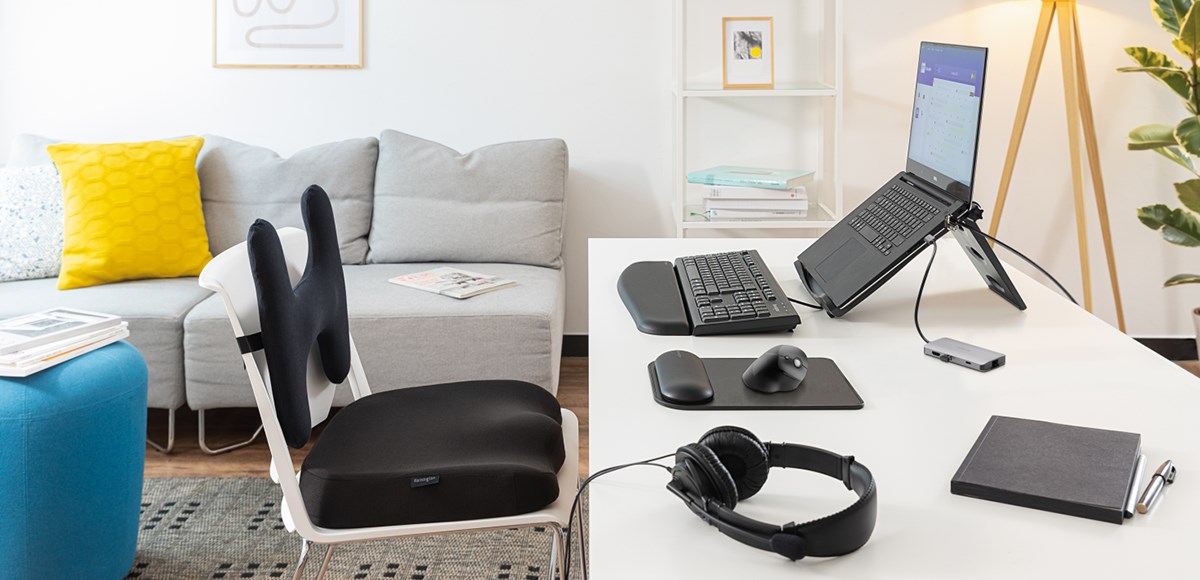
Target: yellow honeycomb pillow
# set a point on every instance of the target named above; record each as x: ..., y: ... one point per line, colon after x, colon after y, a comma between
x: 132, y: 211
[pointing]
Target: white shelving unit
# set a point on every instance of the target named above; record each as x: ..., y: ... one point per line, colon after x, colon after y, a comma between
x: 800, y: 120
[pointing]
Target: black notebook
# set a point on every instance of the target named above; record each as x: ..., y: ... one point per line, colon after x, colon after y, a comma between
x: 1065, y: 469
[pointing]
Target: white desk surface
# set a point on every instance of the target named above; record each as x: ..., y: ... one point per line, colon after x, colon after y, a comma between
x: 920, y: 419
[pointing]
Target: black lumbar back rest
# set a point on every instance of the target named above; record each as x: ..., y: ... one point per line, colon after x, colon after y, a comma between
x: 292, y: 319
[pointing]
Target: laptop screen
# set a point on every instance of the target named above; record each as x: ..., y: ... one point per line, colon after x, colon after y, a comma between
x: 946, y: 114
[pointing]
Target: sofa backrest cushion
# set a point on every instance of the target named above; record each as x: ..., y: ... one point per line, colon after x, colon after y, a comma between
x: 240, y: 183
x: 500, y: 203
x: 30, y: 150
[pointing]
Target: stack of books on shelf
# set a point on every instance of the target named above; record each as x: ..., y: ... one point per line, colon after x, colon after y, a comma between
x: 38, y: 341
x: 753, y: 193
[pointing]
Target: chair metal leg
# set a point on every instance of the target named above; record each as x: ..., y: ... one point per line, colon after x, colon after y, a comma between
x: 555, y: 569
x: 300, y: 564
x: 325, y: 564
x: 170, y: 435
x: 204, y: 444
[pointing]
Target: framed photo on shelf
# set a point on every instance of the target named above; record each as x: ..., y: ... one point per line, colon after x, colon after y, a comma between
x: 748, y: 52
x: 287, y: 34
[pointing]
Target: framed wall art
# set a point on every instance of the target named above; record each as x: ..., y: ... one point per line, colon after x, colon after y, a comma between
x: 748, y: 60
x: 288, y: 33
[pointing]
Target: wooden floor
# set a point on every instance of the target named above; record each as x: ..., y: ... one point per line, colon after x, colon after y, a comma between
x: 229, y: 426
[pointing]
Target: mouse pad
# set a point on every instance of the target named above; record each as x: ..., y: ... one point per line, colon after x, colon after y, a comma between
x: 825, y: 387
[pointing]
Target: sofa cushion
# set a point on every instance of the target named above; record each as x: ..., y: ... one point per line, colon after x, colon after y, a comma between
x: 240, y: 183
x: 29, y: 150
x: 31, y: 219
x: 132, y: 211
x: 155, y: 310
x: 501, y: 203
x: 406, y: 337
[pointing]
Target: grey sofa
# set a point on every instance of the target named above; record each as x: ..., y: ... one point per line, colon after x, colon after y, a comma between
x: 403, y: 205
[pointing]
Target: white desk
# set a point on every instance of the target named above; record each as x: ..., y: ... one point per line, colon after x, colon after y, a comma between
x: 921, y: 417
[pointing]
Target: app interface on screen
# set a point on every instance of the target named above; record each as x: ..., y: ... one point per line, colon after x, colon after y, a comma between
x: 946, y: 110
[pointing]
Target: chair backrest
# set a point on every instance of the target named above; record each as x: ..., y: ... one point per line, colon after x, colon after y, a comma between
x: 229, y: 274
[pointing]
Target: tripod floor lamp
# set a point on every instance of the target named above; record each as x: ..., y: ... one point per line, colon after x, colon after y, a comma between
x: 1079, y: 115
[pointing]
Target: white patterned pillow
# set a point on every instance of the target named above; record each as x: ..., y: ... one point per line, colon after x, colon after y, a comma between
x: 31, y: 223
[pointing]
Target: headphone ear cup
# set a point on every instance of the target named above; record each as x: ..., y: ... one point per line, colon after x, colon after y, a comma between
x: 743, y: 457
x: 701, y: 472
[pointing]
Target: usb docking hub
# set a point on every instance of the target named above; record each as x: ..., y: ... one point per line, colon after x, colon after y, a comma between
x: 965, y: 355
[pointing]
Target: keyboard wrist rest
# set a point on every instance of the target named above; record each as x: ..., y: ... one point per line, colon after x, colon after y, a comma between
x: 651, y: 293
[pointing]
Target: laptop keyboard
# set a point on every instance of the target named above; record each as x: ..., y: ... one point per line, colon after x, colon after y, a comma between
x: 892, y: 217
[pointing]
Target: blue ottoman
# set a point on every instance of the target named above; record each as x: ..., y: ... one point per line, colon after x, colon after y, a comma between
x: 72, y: 449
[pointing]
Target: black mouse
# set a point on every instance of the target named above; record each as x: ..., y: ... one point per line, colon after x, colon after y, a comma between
x: 682, y: 379
x: 778, y: 370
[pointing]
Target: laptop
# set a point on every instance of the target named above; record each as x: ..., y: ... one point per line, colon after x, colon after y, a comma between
x: 885, y: 232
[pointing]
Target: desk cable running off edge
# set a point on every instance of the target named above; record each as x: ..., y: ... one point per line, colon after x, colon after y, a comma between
x: 1035, y: 265
x: 929, y: 241
x: 575, y: 504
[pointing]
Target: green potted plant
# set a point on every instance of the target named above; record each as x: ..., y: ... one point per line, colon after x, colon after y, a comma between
x: 1181, y: 142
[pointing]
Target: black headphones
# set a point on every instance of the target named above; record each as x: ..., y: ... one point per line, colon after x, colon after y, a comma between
x: 730, y: 464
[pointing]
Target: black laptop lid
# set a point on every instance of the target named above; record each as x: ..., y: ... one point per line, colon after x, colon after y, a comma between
x: 947, y: 109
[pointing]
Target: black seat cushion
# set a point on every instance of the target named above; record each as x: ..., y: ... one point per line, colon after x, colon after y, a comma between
x: 454, y: 451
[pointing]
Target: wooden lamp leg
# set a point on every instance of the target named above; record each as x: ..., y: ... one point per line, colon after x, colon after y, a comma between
x: 1071, y: 88
x: 1093, y: 151
x: 1036, y: 55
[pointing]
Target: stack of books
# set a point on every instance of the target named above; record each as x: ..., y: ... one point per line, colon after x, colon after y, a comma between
x: 745, y: 193
x: 41, y: 340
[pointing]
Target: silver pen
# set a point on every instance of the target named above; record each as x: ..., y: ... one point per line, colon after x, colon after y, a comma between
x: 1164, y: 475
x: 1138, y: 469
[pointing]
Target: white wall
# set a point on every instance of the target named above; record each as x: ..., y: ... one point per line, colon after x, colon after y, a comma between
x: 597, y: 74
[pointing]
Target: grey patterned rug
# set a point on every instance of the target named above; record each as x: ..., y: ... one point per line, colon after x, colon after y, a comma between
x: 230, y: 528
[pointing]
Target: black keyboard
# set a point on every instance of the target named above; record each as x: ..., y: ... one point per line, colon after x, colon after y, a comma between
x: 733, y: 293
x: 893, y: 218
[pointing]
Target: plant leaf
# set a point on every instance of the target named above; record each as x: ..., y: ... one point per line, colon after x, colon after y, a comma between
x: 1170, y: 13
x: 1178, y: 156
x: 1182, y: 229
x: 1187, y: 133
x: 1178, y: 226
x: 1149, y: 137
x: 1183, y: 48
x: 1161, y: 67
x: 1189, y: 32
x: 1182, y: 279
x: 1154, y: 216
x: 1189, y: 194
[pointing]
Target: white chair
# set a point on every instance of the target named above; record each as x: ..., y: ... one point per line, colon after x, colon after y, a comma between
x: 229, y: 275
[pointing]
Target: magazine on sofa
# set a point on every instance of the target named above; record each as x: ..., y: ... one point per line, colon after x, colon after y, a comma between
x: 50, y: 326
x: 453, y: 282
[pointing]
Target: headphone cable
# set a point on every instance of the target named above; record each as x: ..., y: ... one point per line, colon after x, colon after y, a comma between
x: 575, y: 504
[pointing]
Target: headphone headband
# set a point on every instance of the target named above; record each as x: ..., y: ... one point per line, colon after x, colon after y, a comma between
x: 834, y: 535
